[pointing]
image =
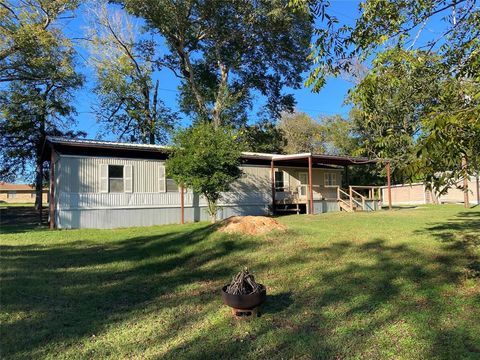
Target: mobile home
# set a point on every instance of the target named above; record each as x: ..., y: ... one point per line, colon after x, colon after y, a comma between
x: 101, y: 184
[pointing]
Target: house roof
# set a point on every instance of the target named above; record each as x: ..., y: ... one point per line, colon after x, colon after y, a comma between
x: 111, y: 148
x: 105, y: 144
x: 15, y: 187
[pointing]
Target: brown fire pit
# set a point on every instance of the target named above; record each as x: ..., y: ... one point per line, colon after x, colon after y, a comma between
x: 244, y: 302
x: 244, y: 294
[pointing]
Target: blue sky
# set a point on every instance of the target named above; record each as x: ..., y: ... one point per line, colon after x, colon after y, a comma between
x: 328, y: 102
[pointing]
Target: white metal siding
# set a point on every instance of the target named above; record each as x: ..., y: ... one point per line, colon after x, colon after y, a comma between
x: 80, y: 203
x: 82, y: 174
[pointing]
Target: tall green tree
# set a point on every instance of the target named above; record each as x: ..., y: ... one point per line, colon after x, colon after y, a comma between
x: 36, y: 100
x: 263, y: 136
x: 339, y: 136
x: 227, y: 52
x: 129, y: 104
x: 391, y: 102
x: 301, y: 133
x: 206, y: 159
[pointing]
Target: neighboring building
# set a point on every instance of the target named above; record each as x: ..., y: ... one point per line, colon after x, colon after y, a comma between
x: 100, y: 184
x: 19, y: 193
x: 417, y: 193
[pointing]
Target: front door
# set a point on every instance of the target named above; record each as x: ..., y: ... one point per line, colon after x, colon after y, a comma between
x: 303, y: 187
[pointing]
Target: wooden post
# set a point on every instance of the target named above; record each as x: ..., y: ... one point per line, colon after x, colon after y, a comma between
x: 51, y: 201
x: 273, y: 186
x: 351, y: 197
x: 182, y: 205
x: 310, y: 186
x: 389, y: 186
x: 478, y: 189
x: 466, y: 201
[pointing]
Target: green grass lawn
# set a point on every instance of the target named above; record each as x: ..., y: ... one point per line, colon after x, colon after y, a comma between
x: 5, y: 204
x: 403, y: 284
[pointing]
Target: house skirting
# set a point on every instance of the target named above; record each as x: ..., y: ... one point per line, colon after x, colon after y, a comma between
x: 128, y: 217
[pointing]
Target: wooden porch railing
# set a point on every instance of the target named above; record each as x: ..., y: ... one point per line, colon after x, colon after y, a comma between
x: 353, y: 199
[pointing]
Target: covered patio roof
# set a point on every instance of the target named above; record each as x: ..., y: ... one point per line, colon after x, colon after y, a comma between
x: 317, y: 159
x: 311, y: 161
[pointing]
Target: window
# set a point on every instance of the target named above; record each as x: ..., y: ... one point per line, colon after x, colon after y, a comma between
x: 11, y: 194
x: 33, y: 195
x: 115, y: 178
x: 279, y: 183
x: 171, y: 185
x: 330, y: 179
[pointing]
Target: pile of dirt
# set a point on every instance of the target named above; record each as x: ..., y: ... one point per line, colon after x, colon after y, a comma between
x: 250, y: 225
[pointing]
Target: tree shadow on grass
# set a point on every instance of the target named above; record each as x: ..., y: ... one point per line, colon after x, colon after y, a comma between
x: 18, y: 219
x: 276, y: 303
x: 339, y: 300
x: 462, y: 235
x: 366, y: 300
x: 68, y: 292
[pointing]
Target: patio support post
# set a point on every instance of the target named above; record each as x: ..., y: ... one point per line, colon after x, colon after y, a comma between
x: 310, y: 186
x: 389, y: 186
x: 272, y: 169
x: 347, y: 175
x: 466, y: 201
x: 182, y: 205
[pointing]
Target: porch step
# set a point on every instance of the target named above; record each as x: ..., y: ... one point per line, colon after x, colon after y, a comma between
x: 345, y: 207
x: 288, y: 208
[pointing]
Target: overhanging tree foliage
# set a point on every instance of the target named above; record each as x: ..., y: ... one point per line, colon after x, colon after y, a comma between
x: 226, y: 52
x: 206, y: 159
x: 385, y: 24
x: 391, y: 102
x: 28, y: 37
x: 424, y: 121
x: 393, y: 26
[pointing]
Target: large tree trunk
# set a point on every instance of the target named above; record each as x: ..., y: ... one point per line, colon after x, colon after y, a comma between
x: 38, y: 188
x: 39, y: 170
x: 466, y: 202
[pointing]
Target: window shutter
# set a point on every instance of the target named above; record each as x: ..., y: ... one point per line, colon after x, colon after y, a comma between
x: 104, y: 178
x: 162, y: 187
x: 128, y: 178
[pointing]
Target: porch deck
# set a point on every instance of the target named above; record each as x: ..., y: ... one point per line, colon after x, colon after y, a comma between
x: 353, y: 198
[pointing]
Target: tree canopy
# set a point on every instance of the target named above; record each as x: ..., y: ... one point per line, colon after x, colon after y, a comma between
x: 29, y: 38
x: 226, y: 52
x: 129, y: 103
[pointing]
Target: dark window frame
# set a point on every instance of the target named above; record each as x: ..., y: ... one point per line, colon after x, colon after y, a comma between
x: 279, y: 183
x: 116, y: 177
